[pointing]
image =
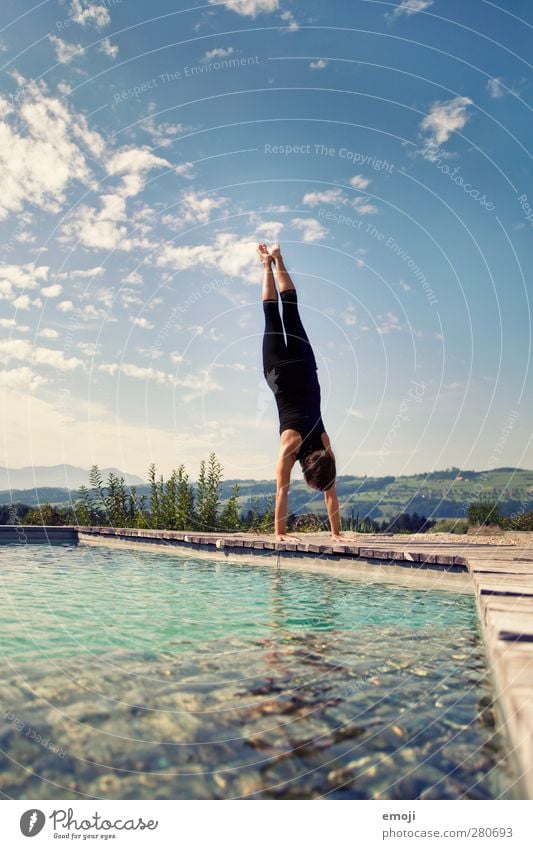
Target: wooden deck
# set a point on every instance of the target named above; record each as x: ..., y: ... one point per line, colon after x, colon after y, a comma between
x: 500, y: 575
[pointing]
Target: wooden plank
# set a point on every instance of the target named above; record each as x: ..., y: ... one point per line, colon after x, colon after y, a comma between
x: 503, y: 584
x: 509, y: 625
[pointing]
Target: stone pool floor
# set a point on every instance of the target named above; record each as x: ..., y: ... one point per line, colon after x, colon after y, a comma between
x: 499, y: 566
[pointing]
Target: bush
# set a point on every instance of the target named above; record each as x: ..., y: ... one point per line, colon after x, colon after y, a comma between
x: 307, y: 522
x: 407, y: 523
x: 45, y: 515
x: 450, y: 526
x: 520, y: 522
x: 485, y: 512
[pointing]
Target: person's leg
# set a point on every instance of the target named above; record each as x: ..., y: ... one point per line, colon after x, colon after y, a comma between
x: 298, y: 344
x: 274, y: 348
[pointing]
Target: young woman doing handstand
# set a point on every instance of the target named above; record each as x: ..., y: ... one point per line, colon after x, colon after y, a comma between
x: 290, y: 369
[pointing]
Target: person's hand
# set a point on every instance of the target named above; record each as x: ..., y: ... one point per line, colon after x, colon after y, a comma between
x: 286, y: 538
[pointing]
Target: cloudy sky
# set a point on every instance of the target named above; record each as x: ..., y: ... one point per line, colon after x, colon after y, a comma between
x: 146, y: 148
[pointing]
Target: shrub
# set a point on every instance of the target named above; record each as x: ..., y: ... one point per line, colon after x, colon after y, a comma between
x: 308, y: 522
x: 450, y: 526
x: 45, y: 514
x: 520, y: 522
x: 485, y: 512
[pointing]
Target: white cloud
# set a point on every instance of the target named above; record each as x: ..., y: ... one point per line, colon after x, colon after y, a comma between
x: 65, y: 53
x: 327, y: 196
x: 311, y: 229
x: 410, y: 7
x: 90, y: 349
x: 349, y: 317
x: 364, y: 206
x: 186, y: 169
x: 52, y: 291
x: 144, y: 373
x: 106, y: 228
x: 198, y: 383
x: 250, y: 7
x: 218, y: 53
x: 24, y: 302
x: 200, y: 330
x: 65, y: 306
x: 229, y: 254
x: 90, y: 312
x: 109, y: 49
x: 150, y: 353
x: 85, y: 13
x: 22, y: 350
x: 48, y: 333
x: 133, y: 164
x: 7, y: 322
x: 291, y: 21
x: 445, y: 118
x: 359, y: 182
x: 387, y: 322
x: 266, y: 231
x: 42, y: 143
x: 163, y: 133
x: 26, y: 276
x: 104, y: 296
x: 495, y: 88
x: 130, y: 298
x: 194, y: 208
x: 83, y: 273
x: 142, y: 322
x: 319, y: 65
x: 133, y: 278
x: 22, y: 378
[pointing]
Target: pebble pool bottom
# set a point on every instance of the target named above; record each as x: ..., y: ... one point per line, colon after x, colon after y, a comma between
x: 133, y: 674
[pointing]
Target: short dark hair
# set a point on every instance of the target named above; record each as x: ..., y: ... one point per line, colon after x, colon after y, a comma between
x: 319, y: 469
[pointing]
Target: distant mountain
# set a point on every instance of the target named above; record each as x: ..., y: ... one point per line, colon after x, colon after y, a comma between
x: 64, y: 476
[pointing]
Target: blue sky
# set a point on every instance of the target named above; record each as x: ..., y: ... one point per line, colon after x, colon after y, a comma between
x: 146, y: 148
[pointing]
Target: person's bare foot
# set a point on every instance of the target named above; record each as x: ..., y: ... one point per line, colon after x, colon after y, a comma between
x: 275, y: 252
x: 264, y: 254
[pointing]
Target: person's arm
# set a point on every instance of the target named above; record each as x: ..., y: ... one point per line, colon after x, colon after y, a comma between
x: 332, y: 502
x: 286, y: 461
x: 332, y: 506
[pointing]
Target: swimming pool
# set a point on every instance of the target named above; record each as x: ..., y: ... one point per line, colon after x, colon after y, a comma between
x: 136, y: 674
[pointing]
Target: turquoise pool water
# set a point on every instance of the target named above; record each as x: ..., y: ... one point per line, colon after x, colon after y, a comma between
x: 154, y: 676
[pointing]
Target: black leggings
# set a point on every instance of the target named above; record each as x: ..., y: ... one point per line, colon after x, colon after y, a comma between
x: 275, y: 348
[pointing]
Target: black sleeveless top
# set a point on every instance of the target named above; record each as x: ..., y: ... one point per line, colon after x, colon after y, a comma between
x: 297, y: 392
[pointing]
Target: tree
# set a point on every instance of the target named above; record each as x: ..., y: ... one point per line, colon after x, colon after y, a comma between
x: 207, y: 494
x: 83, y: 509
x: 184, y: 501
x: 97, y: 488
x: 155, y: 498
x: 230, y: 519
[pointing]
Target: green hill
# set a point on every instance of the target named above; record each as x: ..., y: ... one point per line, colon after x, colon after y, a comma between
x: 443, y: 494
